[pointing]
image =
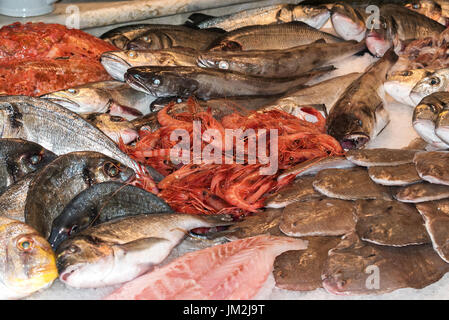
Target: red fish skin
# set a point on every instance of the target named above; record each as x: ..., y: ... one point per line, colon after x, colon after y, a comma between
x: 235, y: 271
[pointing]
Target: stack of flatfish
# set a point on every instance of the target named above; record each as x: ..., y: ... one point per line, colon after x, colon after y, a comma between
x: 376, y: 220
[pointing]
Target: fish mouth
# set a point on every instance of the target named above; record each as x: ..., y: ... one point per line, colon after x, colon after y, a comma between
x: 64, y: 102
x: 354, y: 141
x: 320, y: 19
x: 115, y: 66
x: 376, y: 44
x: 138, y: 84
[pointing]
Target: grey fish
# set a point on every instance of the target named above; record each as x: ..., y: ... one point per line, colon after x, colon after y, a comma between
x: 299, y: 190
x: 318, y: 217
x: 60, y: 181
x: 113, y: 97
x: 100, y: 203
x: 122, y: 249
x: 281, y: 63
x: 313, y: 166
x: 315, y: 17
x: 390, y: 223
x: 208, y: 83
x: 314, y: 94
x: 18, y: 158
x: 300, y: 270
x: 435, y: 10
x: 12, y: 201
x: 265, y: 222
x: 400, y: 175
x: 358, y: 116
x: 432, y: 166
x: 380, y: 157
x: 113, y: 126
x: 425, y: 116
x: 174, y: 36
x: 348, y: 22
x: 27, y: 262
x: 436, y: 215
x: 117, y: 63
x: 397, y: 26
x: 270, y: 37
x: 438, y: 81
x: 422, y: 192
x: 56, y: 129
x: 349, y: 184
x: 350, y: 267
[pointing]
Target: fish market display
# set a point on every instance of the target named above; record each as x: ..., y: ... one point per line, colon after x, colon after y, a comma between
x: 315, y: 17
x: 358, y: 116
x: 249, y: 260
x: 19, y: 158
x: 37, y: 58
x: 122, y: 249
x: 27, y: 262
x: 100, y: 203
x: 73, y: 173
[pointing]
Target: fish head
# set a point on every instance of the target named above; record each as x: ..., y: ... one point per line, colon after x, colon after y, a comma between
x: 314, y: 16
x: 353, y: 129
x: 81, y: 257
x: 30, y: 263
x: 215, y: 60
x: 429, y: 8
x: 378, y: 42
x: 399, y: 84
x: 435, y: 82
x: 347, y: 22
x: 160, y: 83
x: 118, y: 40
x: 102, y: 169
x: 26, y: 158
x: 113, y: 126
x: 81, y: 100
x: 154, y: 39
x: 115, y: 63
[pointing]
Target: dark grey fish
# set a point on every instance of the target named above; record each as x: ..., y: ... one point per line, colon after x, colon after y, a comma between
x: 318, y: 217
x: 349, y: 184
x: 390, y: 223
x: 436, y: 218
x: 358, y: 116
x: 401, y: 175
x: 64, y: 178
x: 380, y: 157
x: 358, y: 267
x: 208, y: 83
x: 19, y: 158
x: 432, y: 166
x: 122, y: 249
x: 100, y: 203
x: 300, y: 270
x: 299, y: 190
x: 422, y: 192
x: 270, y: 37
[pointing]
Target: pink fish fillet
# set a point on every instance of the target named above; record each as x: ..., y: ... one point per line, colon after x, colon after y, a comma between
x: 232, y: 271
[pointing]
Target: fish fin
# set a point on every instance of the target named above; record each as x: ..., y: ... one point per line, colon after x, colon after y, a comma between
x: 140, y: 245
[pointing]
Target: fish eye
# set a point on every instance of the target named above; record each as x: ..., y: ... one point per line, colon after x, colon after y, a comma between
x: 223, y: 65
x: 406, y: 73
x: 116, y: 119
x: 25, y: 244
x: 146, y: 38
x: 111, y: 169
x: 73, y: 229
x: 132, y: 54
x: 35, y: 159
x: 72, y: 249
x: 72, y: 91
x: 416, y: 6
x: 156, y: 81
x: 434, y: 81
